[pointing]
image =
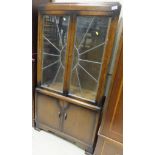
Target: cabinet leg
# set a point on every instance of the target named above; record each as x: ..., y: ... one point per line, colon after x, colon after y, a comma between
x: 89, y: 151
x: 36, y: 127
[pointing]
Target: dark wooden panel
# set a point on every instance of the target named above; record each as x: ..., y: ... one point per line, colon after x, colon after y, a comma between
x: 104, y: 7
x: 78, y: 13
x: 107, y: 147
x: 35, y: 5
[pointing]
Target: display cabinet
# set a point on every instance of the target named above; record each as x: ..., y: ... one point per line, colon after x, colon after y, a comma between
x: 74, y: 48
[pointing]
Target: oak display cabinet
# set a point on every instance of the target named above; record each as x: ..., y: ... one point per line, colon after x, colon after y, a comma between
x: 74, y: 48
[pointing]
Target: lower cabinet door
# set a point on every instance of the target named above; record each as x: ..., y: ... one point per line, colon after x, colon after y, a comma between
x: 71, y: 121
x: 80, y: 123
x: 48, y: 112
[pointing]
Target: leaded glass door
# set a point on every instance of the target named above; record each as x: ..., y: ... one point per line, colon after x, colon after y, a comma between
x: 72, y: 50
x: 88, y: 55
x: 55, y: 32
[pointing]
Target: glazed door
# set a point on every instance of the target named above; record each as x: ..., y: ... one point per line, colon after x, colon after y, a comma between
x: 90, y: 40
x: 72, y: 54
x: 54, y: 42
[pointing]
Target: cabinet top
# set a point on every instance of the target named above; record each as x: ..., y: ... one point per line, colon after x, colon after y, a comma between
x: 100, y: 6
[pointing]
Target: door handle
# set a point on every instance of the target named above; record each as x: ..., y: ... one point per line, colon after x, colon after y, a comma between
x: 59, y: 114
x: 65, y: 116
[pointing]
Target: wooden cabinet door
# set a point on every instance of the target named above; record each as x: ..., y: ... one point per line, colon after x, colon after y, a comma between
x: 48, y: 111
x: 80, y: 123
x: 67, y: 118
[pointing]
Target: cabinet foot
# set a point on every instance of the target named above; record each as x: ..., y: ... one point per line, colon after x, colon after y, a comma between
x: 89, y: 151
x: 37, y: 129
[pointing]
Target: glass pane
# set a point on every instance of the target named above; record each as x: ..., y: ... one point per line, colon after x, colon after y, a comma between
x: 88, y: 51
x: 54, y: 49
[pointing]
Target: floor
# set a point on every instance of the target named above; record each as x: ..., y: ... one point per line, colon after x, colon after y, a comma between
x: 44, y: 143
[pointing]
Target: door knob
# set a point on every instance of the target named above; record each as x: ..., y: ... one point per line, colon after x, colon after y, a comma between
x: 59, y: 114
x: 65, y: 116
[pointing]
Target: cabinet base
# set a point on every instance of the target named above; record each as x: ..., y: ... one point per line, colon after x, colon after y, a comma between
x: 71, y: 139
x: 37, y: 129
x: 88, y: 153
x: 67, y: 118
x: 36, y: 126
